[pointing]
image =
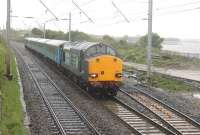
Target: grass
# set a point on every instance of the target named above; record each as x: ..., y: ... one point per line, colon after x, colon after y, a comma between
x: 166, y: 83
x: 138, y: 55
x: 11, y: 122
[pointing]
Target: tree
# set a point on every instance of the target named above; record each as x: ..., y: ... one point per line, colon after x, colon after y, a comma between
x: 37, y: 32
x: 156, y: 41
x: 123, y: 42
x: 79, y: 36
x: 108, y: 40
x: 50, y: 34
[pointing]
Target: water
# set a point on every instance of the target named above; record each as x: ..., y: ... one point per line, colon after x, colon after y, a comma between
x: 190, y: 48
x: 196, y: 95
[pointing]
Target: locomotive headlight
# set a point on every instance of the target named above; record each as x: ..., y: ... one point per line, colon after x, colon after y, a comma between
x: 118, y: 75
x: 93, y: 75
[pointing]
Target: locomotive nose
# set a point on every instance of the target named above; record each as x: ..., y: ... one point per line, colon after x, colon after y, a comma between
x: 104, y: 68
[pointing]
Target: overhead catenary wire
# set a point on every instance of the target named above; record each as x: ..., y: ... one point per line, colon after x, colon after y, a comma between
x: 130, y: 18
x: 82, y: 11
x: 179, y: 11
x: 121, y: 13
x: 133, y: 1
x: 87, y: 3
x: 178, y: 5
x: 84, y: 4
x: 52, y: 13
x: 157, y: 14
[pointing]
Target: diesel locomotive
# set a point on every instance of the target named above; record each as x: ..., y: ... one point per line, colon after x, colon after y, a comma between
x: 93, y: 65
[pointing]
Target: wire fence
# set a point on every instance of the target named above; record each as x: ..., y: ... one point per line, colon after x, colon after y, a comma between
x: 188, y: 55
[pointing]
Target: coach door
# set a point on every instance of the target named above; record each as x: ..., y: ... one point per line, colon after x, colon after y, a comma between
x: 58, y: 55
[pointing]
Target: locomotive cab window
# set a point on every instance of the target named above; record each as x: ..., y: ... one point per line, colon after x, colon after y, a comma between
x: 111, y: 51
x: 100, y: 49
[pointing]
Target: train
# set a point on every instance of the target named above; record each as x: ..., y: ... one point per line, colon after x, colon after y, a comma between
x: 95, y: 66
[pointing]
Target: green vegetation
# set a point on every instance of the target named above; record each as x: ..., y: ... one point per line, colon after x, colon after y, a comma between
x: 75, y: 35
x: 166, y: 83
x: 132, y: 52
x: 156, y: 41
x: 11, y: 122
x: 160, y: 59
x: 136, y: 52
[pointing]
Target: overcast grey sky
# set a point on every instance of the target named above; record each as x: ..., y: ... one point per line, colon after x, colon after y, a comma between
x: 171, y: 18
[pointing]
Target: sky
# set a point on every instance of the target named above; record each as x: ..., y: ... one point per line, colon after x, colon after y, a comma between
x: 171, y: 18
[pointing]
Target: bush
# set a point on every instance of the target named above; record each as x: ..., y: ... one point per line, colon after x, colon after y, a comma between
x: 156, y: 41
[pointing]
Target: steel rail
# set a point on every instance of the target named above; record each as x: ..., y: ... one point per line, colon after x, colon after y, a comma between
x: 52, y: 113
x: 48, y: 104
x: 176, y: 115
x: 73, y: 106
x: 131, y: 128
x: 51, y: 109
x: 139, y: 123
x: 168, y: 125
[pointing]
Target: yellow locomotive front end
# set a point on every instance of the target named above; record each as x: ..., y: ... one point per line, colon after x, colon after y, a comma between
x: 102, y: 69
x: 105, y: 68
x: 105, y: 73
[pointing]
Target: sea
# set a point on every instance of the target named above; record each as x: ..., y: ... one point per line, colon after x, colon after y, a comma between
x: 185, y: 47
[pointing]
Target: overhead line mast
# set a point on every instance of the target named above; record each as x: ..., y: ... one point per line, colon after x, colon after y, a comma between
x: 69, y: 27
x: 149, y: 47
x: 8, y: 57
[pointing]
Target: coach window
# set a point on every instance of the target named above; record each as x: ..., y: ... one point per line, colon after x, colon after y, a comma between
x: 77, y: 61
x: 67, y: 58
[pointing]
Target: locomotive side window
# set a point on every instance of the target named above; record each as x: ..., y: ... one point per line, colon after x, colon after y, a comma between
x: 74, y: 60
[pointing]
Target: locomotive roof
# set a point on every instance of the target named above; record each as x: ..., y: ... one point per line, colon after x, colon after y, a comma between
x: 79, y: 45
x: 52, y: 42
x: 84, y: 45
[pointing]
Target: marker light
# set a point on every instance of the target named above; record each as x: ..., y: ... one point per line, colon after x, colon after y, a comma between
x: 118, y: 75
x: 93, y: 75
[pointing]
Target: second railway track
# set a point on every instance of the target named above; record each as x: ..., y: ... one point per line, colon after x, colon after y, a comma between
x: 178, y: 122
x: 139, y: 123
x: 68, y: 118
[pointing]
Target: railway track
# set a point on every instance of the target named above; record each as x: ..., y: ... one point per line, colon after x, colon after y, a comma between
x: 137, y: 122
x: 148, y: 127
x: 68, y: 119
x: 176, y: 121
